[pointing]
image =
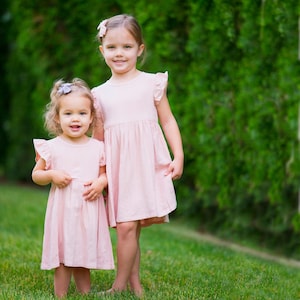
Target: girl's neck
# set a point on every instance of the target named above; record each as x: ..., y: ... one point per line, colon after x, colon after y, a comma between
x: 124, y: 77
x: 74, y: 140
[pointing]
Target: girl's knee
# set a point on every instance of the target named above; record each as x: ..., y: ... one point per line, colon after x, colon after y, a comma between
x: 127, y: 228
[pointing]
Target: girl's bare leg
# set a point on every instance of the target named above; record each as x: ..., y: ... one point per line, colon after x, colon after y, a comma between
x: 134, y: 279
x: 82, y: 279
x: 127, y: 252
x: 62, y: 278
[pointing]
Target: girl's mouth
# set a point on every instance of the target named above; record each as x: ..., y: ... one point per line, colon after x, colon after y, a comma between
x: 75, y: 127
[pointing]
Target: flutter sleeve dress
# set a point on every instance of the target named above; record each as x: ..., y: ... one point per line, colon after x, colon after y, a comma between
x: 76, y: 231
x: 137, y: 154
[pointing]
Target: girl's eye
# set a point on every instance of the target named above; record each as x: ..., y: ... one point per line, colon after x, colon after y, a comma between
x: 83, y: 113
x: 127, y: 46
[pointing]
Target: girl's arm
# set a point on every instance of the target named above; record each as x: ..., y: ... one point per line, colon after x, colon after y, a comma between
x: 173, y: 136
x: 96, y: 187
x: 41, y: 176
x: 98, y: 131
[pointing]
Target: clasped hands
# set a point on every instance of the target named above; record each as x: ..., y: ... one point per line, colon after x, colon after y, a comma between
x: 93, y: 188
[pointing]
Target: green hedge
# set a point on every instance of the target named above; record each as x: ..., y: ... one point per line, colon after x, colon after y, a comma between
x: 243, y: 106
x: 234, y: 88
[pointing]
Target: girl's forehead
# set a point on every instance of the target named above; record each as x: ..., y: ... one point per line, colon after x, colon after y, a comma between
x: 118, y: 34
x: 74, y: 101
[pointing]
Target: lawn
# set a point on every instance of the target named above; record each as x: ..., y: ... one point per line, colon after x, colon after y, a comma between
x: 176, y: 263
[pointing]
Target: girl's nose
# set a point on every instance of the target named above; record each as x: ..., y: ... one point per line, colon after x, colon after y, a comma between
x: 119, y: 51
x: 75, y: 117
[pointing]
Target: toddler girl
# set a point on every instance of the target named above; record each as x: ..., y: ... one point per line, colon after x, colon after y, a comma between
x: 76, y: 234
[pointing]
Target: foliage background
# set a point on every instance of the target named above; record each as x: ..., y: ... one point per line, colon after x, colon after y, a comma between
x: 234, y: 89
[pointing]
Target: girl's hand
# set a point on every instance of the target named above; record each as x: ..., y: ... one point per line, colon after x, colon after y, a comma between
x: 60, y: 178
x: 43, y: 177
x: 94, y: 188
x: 175, y: 169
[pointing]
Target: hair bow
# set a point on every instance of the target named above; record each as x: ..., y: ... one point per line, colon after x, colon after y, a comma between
x: 65, y: 88
x: 102, y: 28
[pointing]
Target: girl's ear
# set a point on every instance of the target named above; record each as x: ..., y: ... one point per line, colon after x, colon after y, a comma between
x: 101, y: 49
x: 141, y: 49
x: 56, y: 119
x: 91, y: 119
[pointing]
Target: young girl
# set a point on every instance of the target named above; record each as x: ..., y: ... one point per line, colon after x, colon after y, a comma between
x: 139, y: 167
x: 76, y: 235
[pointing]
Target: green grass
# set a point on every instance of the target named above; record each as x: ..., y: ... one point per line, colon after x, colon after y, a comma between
x: 176, y: 264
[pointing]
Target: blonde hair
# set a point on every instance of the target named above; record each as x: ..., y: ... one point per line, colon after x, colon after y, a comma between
x: 129, y: 23
x: 61, y: 88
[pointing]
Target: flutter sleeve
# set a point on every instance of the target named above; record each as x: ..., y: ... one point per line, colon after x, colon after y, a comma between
x: 42, y: 150
x: 161, y: 82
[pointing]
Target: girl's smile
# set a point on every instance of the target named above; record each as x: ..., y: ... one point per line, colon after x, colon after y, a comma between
x: 75, y: 128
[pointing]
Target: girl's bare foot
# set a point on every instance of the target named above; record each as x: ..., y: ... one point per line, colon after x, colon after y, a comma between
x: 138, y: 293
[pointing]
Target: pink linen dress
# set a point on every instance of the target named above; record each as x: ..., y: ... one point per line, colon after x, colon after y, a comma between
x: 76, y: 231
x: 137, y: 155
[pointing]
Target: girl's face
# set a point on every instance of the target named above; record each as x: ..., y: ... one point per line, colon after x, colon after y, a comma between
x: 75, y: 116
x: 120, y: 51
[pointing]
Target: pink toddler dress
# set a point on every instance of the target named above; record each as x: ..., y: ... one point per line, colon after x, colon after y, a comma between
x: 76, y: 231
x: 137, y: 155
